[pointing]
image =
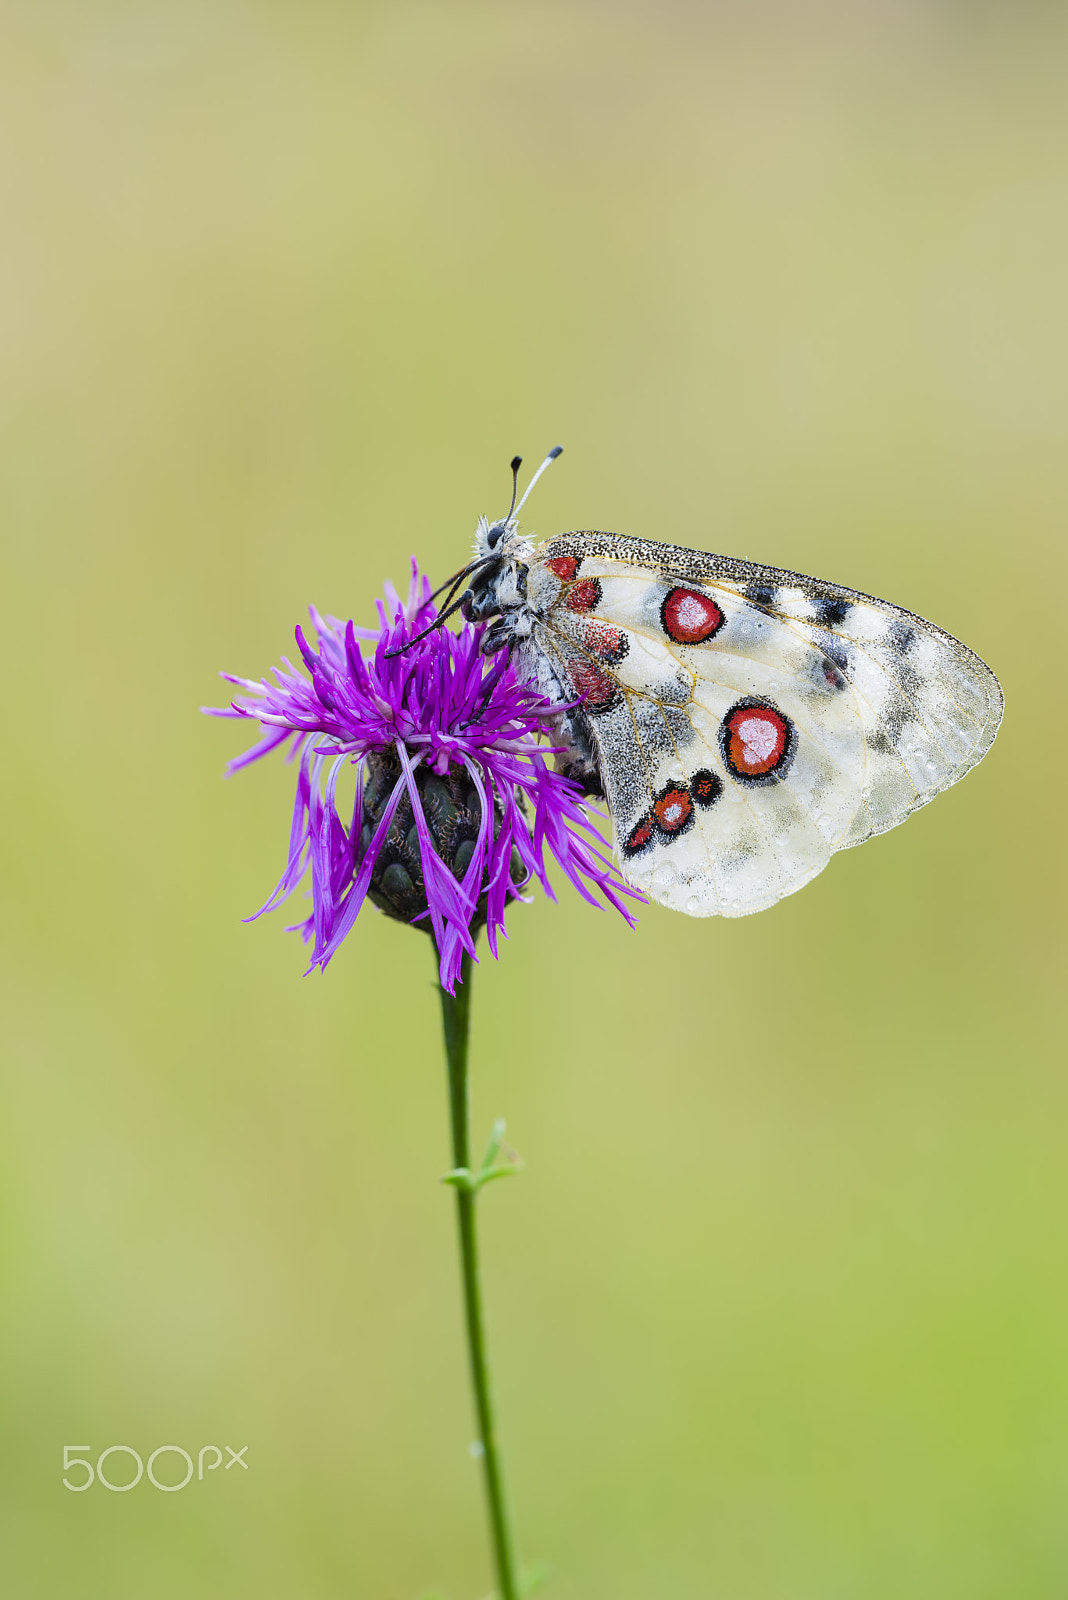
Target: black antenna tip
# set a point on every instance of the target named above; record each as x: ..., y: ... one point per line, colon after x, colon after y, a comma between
x: 557, y: 450
x: 517, y: 462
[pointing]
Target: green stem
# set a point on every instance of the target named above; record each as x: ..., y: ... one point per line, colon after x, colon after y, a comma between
x: 456, y: 1016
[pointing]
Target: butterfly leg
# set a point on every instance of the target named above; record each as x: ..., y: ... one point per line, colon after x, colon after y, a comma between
x: 500, y: 635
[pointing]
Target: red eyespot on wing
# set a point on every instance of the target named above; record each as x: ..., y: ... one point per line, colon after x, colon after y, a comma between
x: 597, y: 689
x: 640, y: 835
x: 758, y: 742
x: 690, y: 617
x: 585, y: 595
x: 565, y: 567
x: 605, y: 642
x: 673, y: 809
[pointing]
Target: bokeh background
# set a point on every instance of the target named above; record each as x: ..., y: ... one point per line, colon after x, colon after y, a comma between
x: 778, y: 1307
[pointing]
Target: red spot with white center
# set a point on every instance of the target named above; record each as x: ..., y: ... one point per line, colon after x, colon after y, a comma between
x: 757, y: 740
x: 690, y: 617
x: 585, y: 595
x: 597, y: 689
x: 565, y: 567
x: 673, y: 809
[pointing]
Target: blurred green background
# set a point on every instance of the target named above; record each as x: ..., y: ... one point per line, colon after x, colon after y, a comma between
x: 778, y: 1308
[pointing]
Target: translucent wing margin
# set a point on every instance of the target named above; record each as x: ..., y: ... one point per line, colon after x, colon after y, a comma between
x: 749, y: 721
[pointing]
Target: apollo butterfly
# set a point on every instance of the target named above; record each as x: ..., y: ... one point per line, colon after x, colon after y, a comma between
x: 742, y: 722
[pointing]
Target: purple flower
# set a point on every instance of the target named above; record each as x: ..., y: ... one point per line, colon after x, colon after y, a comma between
x: 455, y: 800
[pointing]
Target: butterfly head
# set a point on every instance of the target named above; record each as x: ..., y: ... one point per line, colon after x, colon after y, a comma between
x: 499, y: 580
x: 497, y: 577
x: 499, y: 541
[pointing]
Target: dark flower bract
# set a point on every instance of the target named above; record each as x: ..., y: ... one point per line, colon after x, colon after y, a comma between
x: 456, y: 799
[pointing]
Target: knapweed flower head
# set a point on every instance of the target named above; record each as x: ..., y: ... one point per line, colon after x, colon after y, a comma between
x: 456, y: 798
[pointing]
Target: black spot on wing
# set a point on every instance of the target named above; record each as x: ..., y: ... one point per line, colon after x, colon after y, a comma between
x: 879, y: 741
x: 830, y: 612
x: 832, y: 666
x: 706, y: 787
x: 894, y: 712
x: 901, y: 636
x: 764, y: 595
x: 911, y: 682
x: 839, y: 653
x: 826, y: 676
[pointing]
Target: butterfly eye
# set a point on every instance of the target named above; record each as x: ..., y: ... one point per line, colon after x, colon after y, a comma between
x: 495, y: 535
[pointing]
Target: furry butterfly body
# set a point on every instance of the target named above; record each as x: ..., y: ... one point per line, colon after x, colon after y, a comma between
x: 742, y: 722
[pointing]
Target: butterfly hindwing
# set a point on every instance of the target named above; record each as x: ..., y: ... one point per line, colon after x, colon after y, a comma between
x: 748, y: 721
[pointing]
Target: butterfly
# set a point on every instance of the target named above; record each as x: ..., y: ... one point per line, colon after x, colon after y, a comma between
x: 742, y: 722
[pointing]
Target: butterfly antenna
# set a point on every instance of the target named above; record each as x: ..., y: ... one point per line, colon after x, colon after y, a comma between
x: 517, y: 462
x: 449, y: 583
x: 557, y: 450
x: 442, y: 617
x: 452, y: 584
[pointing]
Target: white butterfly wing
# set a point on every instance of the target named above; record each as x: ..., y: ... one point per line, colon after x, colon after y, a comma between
x: 748, y: 721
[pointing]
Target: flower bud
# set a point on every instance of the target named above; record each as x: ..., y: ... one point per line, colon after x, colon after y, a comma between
x: 453, y: 813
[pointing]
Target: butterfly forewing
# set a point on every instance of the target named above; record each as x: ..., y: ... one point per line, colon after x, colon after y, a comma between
x: 750, y: 721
